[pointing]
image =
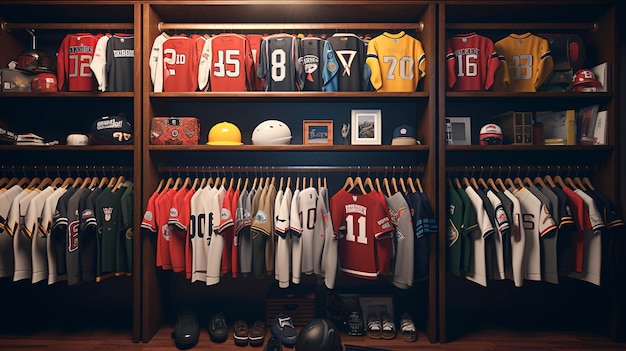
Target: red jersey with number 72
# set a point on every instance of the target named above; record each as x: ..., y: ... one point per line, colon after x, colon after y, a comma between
x: 360, y: 221
x: 74, y: 60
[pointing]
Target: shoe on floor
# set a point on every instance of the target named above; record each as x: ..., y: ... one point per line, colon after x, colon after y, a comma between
x: 273, y: 344
x: 186, y: 330
x: 407, y: 328
x: 257, y: 333
x: 240, y: 333
x: 389, y: 327
x: 218, y: 330
x: 374, y: 328
x: 283, y: 330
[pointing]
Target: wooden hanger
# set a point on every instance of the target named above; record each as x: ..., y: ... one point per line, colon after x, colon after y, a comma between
x: 539, y: 181
x: 33, y: 183
x: 519, y: 182
x: 378, y: 188
x: 4, y: 181
x: 23, y: 181
x: 386, y: 187
x: 500, y: 183
x: 298, y: 184
x: 549, y: 180
x: 347, y: 185
x: 368, y: 183
x: 358, y: 183
x: 394, y: 184
x: 457, y: 183
x: 194, y: 185
x: 67, y: 182
x: 56, y: 182
x: 238, y: 186
x: 158, y: 189
x: 85, y: 183
x: 409, y: 180
x: 78, y: 181
x: 570, y: 182
x: 527, y: 182
x: 466, y: 182
x: 587, y: 182
x: 203, y: 183
x: 492, y: 184
x: 579, y: 184
x: 120, y: 181
x: 482, y: 183
x: 418, y: 184
x: 311, y: 182
x: 94, y: 182
x: 558, y: 180
x: 509, y: 182
x: 402, y: 185
x: 44, y: 183
x: 474, y: 183
x: 13, y: 181
x: 289, y: 183
x: 104, y: 181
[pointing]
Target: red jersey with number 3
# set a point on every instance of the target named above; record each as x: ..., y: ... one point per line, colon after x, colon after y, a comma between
x: 471, y: 61
x: 361, y: 221
x: 75, y: 55
x: 180, y: 64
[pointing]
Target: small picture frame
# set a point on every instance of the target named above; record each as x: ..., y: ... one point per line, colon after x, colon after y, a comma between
x: 366, y: 127
x: 317, y: 132
x: 458, y: 131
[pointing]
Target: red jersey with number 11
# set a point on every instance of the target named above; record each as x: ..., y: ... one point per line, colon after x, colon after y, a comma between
x: 360, y: 221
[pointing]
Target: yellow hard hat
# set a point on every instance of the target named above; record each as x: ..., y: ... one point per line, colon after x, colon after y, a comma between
x: 224, y: 133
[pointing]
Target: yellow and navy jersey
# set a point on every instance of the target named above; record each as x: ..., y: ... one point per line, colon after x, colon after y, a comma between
x: 397, y: 62
x: 528, y: 61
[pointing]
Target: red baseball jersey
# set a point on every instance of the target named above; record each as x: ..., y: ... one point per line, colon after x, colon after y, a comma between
x: 178, y: 221
x: 360, y: 221
x: 581, y: 218
x: 471, y: 61
x: 74, y: 60
x: 227, y: 61
x: 163, y: 203
x: 255, y: 47
x: 180, y: 64
x: 227, y: 229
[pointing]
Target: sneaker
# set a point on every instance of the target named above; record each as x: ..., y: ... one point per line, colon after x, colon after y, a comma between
x: 240, y: 333
x: 389, y: 327
x: 257, y: 333
x: 283, y: 330
x: 186, y: 330
x: 273, y: 344
x: 407, y: 327
x: 218, y: 330
x: 355, y: 324
x: 374, y: 329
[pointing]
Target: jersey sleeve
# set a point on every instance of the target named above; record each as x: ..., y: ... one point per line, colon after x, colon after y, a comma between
x: 546, y: 65
x: 376, y: 78
x: 62, y: 63
x: 248, y: 61
x: 493, y: 63
x: 149, y: 219
x: 502, y: 79
x: 450, y: 65
x: 420, y: 57
x: 261, y: 70
x: 331, y: 67
x: 298, y: 65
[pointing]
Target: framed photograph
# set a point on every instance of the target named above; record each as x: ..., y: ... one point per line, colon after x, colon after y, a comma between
x: 458, y: 131
x: 317, y: 132
x: 366, y: 127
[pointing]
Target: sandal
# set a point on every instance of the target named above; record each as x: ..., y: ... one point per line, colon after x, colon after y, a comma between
x: 407, y: 327
x: 374, y: 329
x: 389, y: 327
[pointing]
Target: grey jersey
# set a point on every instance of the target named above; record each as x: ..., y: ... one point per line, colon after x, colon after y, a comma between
x: 404, y: 240
x: 549, y: 268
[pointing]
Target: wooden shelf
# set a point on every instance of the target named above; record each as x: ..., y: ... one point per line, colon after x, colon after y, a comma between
x: 327, y: 148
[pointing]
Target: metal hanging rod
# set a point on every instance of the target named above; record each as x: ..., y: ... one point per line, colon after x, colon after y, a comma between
x: 65, y: 169
x: 162, y: 26
x: 524, y: 26
x: 519, y: 169
x: 7, y: 26
x: 303, y: 169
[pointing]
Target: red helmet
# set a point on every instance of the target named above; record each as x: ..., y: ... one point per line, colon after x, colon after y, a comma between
x: 491, y: 134
x: 585, y: 80
x: 44, y: 82
x: 34, y: 61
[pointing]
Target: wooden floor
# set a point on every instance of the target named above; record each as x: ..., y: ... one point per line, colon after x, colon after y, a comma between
x: 500, y: 340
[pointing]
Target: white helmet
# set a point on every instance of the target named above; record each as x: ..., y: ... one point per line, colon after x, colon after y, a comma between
x: 271, y: 132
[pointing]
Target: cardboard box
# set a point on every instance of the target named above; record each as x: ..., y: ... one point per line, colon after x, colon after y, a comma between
x: 13, y: 80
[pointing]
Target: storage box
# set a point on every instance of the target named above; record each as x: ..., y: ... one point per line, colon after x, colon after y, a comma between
x: 174, y: 131
x: 301, y: 308
x: 13, y: 80
x: 517, y: 127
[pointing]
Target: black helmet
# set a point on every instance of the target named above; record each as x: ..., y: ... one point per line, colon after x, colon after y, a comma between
x: 319, y: 335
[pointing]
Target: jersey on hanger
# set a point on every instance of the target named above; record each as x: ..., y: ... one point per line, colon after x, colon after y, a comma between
x: 180, y: 64
x: 320, y: 65
x: 351, y: 52
x: 279, y: 65
x: 397, y: 62
x: 74, y: 60
x: 528, y: 61
x: 227, y: 63
x: 120, y: 57
x: 471, y: 61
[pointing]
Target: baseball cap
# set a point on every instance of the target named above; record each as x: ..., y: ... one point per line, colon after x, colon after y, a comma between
x: 111, y: 130
x: 404, y: 135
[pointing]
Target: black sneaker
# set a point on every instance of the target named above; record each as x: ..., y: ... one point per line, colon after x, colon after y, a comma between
x: 218, y: 330
x: 186, y: 330
x: 283, y: 330
x: 355, y: 324
x: 273, y: 344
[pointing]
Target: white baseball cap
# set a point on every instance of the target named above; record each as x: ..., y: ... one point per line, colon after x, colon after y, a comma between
x: 77, y: 139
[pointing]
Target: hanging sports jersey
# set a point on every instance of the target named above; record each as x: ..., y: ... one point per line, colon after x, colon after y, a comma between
x: 279, y: 65
x: 360, y: 221
x: 180, y: 64
x: 472, y: 62
x: 397, y: 62
x: 351, y: 52
x: 75, y: 55
x: 227, y: 63
x: 255, y: 46
x: 320, y: 65
x: 528, y: 60
x: 120, y: 57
